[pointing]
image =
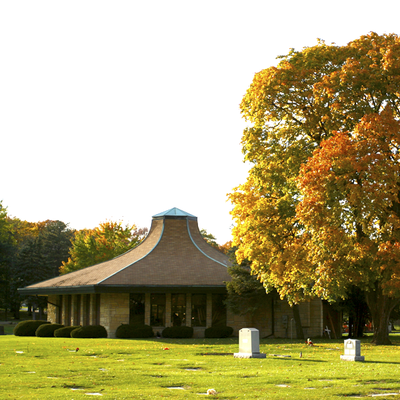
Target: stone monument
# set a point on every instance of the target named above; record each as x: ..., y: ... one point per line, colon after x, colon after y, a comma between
x: 352, y: 350
x: 249, y: 344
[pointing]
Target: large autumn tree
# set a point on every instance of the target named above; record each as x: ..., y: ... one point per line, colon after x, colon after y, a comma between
x: 291, y: 110
x: 93, y: 246
x: 350, y: 212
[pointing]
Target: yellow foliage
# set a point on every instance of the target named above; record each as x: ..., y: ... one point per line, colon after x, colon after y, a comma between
x: 322, y: 194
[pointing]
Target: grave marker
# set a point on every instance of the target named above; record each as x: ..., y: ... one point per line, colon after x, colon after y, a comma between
x: 249, y: 344
x: 352, y: 350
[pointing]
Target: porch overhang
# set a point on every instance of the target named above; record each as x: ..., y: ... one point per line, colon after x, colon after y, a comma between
x: 93, y: 289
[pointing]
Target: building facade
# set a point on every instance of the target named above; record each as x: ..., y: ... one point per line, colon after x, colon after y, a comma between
x: 172, y: 278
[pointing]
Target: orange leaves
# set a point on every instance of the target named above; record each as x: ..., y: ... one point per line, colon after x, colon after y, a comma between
x: 324, y: 142
x: 349, y: 188
x: 354, y: 168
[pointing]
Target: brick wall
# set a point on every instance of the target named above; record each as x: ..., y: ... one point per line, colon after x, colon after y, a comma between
x: 114, y: 311
x: 311, y: 314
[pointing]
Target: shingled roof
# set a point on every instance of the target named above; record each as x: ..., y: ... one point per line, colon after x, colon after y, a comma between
x: 174, y: 254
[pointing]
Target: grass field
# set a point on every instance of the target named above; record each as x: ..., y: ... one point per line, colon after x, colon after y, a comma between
x: 51, y: 368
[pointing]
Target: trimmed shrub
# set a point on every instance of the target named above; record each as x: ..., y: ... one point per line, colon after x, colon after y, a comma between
x: 65, y: 332
x: 126, y: 331
x: 217, y: 332
x: 47, y: 330
x: 178, y: 332
x: 90, y: 331
x: 28, y: 328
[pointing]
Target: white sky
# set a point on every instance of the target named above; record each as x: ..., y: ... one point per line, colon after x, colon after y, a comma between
x: 123, y: 109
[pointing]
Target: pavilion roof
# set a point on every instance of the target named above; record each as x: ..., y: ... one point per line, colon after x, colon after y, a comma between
x: 174, y: 254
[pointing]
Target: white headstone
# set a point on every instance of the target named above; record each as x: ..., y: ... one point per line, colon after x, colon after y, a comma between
x: 249, y: 344
x: 352, y: 350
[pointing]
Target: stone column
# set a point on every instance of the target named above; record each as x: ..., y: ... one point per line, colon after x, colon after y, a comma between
x: 114, y: 311
x: 84, y: 308
x: 93, y: 310
x: 66, y: 310
x: 74, y: 311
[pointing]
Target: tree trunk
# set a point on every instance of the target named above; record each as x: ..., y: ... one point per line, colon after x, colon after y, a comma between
x: 351, y: 324
x: 380, y: 307
x: 360, y: 320
x: 297, y: 320
x: 15, y: 309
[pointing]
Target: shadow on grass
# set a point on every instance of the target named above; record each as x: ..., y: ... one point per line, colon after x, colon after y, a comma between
x: 381, y: 362
x: 301, y: 360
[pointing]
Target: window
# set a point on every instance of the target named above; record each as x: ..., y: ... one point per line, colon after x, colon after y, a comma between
x: 199, y: 309
x: 60, y: 309
x: 157, y: 314
x: 218, y: 310
x: 136, y: 308
x: 87, y: 309
x: 178, y: 309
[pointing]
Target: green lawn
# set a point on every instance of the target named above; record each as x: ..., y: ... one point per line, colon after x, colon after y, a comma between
x: 50, y: 368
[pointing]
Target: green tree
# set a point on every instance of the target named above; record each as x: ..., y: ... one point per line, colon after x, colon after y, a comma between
x: 108, y: 240
x: 56, y: 239
x: 41, y: 249
x: 29, y: 252
x: 7, y: 250
x: 291, y: 109
x: 247, y: 295
x: 209, y: 238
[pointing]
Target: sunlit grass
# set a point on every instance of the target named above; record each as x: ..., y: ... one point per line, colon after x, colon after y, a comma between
x: 51, y: 368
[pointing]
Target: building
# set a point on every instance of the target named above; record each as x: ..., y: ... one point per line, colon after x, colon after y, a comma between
x: 172, y: 278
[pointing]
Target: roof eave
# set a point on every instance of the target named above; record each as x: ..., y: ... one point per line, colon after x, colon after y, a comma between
x: 93, y: 289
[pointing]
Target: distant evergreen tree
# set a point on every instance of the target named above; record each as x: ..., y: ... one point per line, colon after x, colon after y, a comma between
x: 209, y: 238
x: 42, y: 248
x: 56, y: 243
x: 246, y: 294
x: 7, y: 250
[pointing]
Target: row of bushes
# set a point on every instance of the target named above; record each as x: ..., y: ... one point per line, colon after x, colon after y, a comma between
x: 217, y: 332
x: 124, y: 331
x: 46, y: 329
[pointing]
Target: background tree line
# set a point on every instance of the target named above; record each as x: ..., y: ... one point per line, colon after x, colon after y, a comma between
x: 32, y: 252
x: 29, y: 252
